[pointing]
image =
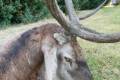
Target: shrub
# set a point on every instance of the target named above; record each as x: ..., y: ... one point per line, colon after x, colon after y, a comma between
x: 21, y: 11
x: 82, y: 4
x: 25, y: 11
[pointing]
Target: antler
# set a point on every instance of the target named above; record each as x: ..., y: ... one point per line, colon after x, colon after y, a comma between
x: 94, y: 11
x: 74, y: 27
x: 57, y: 13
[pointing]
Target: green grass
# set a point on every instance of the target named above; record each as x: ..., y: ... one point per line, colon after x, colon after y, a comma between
x: 103, y: 59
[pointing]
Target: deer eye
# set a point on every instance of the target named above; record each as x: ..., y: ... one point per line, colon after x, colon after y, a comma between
x: 68, y: 60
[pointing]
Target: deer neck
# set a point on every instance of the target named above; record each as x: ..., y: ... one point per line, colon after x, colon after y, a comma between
x: 18, y: 61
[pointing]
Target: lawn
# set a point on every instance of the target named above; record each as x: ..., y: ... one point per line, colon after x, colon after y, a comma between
x: 103, y: 59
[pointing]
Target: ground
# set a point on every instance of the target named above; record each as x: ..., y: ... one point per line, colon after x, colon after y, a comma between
x: 103, y: 59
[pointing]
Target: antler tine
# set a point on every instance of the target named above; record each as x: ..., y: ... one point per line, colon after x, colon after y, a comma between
x: 57, y: 13
x: 72, y: 14
x: 81, y: 31
x: 94, y: 11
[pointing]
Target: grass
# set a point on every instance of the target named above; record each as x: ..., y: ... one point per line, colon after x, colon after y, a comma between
x: 103, y: 59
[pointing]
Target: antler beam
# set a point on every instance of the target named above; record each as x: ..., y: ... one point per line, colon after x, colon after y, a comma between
x: 75, y: 28
x: 57, y: 13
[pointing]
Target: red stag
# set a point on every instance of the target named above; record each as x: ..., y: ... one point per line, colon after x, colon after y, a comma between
x: 47, y: 51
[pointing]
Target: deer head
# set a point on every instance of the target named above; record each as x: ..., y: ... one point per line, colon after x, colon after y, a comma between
x: 63, y: 59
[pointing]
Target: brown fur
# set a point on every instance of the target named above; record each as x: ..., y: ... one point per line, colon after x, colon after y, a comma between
x: 15, y: 55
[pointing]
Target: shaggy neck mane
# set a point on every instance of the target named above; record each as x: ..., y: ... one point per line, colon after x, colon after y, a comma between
x: 9, y: 53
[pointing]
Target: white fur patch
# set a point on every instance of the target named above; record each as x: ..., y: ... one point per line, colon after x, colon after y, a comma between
x: 50, y: 62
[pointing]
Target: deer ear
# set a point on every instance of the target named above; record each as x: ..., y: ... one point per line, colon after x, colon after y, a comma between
x: 61, y: 38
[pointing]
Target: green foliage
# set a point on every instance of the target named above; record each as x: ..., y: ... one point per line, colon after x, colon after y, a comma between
x: 87, y: 4
x: 82, y: 4
x: 25, y: 11
x: 21, y: 11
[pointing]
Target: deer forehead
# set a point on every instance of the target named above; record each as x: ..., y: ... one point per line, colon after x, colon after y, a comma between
x: 67, y: 50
